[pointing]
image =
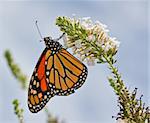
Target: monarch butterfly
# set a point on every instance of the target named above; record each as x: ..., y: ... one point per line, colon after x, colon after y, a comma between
x: 57, y: 73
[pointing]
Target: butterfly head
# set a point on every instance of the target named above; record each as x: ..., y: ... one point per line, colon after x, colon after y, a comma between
x: 52, y: 44
x: 47, y: 40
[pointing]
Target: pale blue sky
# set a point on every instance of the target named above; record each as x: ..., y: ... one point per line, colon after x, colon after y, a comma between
x: 95, y: 102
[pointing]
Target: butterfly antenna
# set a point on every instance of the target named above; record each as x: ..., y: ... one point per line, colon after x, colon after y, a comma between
x: 36, y: 23
x: 60, y: 37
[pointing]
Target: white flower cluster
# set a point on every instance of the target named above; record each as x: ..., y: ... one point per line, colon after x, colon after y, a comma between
x: 97, y: 33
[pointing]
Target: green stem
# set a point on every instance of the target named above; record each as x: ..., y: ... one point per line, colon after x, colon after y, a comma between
x: 114, y: 69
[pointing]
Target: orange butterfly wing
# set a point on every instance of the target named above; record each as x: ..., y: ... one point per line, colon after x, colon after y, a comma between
x: 39, y: 92
x: 65, y: 73
x: 58, y: 73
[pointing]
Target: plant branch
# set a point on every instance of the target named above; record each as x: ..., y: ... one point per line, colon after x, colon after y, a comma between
x: 81, y: 35
x: 18, y: 111
x: 16, y: 71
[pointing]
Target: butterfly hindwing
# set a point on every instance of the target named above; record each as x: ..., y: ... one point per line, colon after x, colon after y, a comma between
x: 65, y: 73
x: 79, y: 69
x: 39, y: 92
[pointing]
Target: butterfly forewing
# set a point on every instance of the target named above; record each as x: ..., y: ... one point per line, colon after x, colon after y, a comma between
x: 39, y: 92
